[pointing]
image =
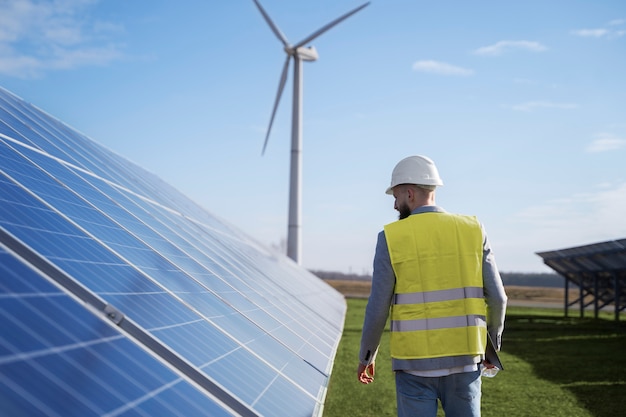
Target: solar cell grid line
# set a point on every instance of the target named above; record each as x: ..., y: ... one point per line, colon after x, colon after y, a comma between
x: 262, y: 304
x: 34, y: 127
x: 224, y: 263
x: 216, y: 225
x: 248, y: 335
x: 294, y: 284
x: 120, y: 198
x: 137, y: 333
x: 7, y: 129
x: 91, y: 155
x: 256, y: 299
x: 33, y: 183
x: 60, y: 359
x: 10, y: 125
x: 86, y: 296
x: 615, y: 262
x: 54, y: 193
x: 47, y: 134
x: 269, y: 353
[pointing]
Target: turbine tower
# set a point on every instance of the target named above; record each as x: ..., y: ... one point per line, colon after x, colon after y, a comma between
x: 299, y: 53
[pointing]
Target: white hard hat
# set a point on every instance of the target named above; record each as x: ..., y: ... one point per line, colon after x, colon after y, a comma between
x: 417, y: 169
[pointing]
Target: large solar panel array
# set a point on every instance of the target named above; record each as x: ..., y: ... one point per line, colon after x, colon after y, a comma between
x: 598, y: 270
x: 119, y: 296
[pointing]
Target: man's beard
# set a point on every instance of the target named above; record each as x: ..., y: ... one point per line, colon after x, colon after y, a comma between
x: 404, y: 211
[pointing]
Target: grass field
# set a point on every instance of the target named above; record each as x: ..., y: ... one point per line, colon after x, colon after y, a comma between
x: 554, y: 366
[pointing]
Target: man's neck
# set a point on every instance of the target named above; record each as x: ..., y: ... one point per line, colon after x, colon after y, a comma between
x: 423, y: 203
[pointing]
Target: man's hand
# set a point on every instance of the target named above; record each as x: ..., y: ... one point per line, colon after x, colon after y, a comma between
x: 366, y: 373
x: 488, y: 364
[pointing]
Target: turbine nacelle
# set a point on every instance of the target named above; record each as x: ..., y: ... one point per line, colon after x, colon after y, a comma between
x: 305, y: 53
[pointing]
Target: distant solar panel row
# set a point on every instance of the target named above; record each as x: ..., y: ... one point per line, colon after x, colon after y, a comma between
x: 598, y: 270
x: 201, y: 319
x: 607, y: 256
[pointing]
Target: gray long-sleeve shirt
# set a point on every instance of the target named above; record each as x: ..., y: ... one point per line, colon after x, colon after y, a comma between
x: 383, y: 283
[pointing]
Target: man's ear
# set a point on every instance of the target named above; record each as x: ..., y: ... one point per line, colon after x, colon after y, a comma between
x: 411, y: 191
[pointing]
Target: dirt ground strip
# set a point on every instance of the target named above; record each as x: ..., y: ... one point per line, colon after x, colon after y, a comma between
x: 517, y: 295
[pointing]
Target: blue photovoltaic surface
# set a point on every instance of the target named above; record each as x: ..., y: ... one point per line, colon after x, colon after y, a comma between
x: 251, y: 327
x: 59, y: 359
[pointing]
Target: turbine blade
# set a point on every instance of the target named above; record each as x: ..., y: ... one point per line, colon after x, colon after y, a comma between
x: 281, y: 86
x: 274, y: 28
x: 328, y: 26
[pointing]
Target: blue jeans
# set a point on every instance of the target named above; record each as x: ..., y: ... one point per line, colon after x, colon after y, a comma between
x: 459, y: 394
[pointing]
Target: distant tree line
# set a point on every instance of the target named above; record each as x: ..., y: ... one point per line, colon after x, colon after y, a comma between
x: 535, y: 279
x: 340, y: 276
x: 525, y: 279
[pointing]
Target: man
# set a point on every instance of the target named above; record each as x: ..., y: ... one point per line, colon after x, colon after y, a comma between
x: 435, y: 273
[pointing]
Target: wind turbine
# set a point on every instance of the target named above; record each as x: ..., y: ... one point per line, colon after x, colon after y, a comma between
x: 299, y: 53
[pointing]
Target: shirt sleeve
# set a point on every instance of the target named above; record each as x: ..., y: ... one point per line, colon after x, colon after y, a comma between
x: 495, y: 296
x: 379, y: 303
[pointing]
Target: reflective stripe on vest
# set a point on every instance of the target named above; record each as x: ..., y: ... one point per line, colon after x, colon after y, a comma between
x: 438, y: 308
x: 440, y: 295
x: 437, y: 323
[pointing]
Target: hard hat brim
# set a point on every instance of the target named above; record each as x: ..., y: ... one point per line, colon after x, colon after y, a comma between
x: 389, y: 189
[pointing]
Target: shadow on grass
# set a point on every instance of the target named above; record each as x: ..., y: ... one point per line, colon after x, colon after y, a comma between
x: 584, y: 356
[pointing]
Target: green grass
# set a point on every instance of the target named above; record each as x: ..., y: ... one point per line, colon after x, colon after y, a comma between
x: 555, y: 366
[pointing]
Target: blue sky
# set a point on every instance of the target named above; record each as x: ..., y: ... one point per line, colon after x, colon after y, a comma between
x: 522, y: 105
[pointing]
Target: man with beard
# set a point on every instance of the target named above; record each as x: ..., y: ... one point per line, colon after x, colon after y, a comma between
x: 435, y: 273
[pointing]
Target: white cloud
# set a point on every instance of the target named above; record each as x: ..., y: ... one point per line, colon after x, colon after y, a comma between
x: 436, y: 67
x: 532, y: 105
x: 500, y: 47
x: 604, y: 142
x: 36, y: 36
x: 609, y: 33
x: 590, y: 33
x: 590, y: 217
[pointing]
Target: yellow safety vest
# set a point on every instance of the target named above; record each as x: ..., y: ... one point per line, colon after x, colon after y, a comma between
x: 438, y: 309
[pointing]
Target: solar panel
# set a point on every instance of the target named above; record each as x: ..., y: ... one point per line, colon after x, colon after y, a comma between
x: 59, y: 358
x: 598, y: 269
x: 118, y: 260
